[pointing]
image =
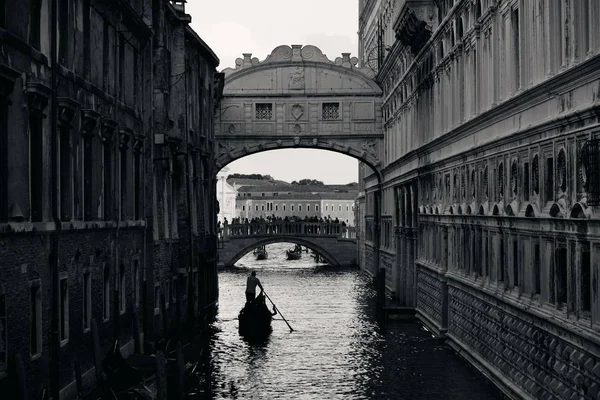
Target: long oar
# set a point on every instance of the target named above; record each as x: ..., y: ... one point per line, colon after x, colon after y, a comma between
x: 282, y: 317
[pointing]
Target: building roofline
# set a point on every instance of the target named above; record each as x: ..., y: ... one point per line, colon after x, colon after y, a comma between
x: 202, y: 44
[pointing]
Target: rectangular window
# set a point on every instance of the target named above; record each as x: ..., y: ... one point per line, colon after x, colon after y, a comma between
x: 65, y: 171
x: 37, y: 165
x: 347, y: 208
x: 122, y: 297
x: 501, y: 264
x: 64, y: 309
x: 326, y: 207
x: 526, y: 181
x: 167, y: 292
x: 308, y: 207
x: 106, y: 294
x: 124, y: 184
x: 2, y: 24
x: 88, y: 184
x: 550, y: 179
x: 284, y: 207
x: 515, y: 260
x: 107, y: 179
x: 136, y: 282
x: 137, y: 185
x: 243, y: 208
x: 87, y: 300
x: 276, y: 207
x: 292, y: 207
x: 106, y: 55
x: 585, y: 278
x: 299, y: 207
x: 516, y: 44
x: 316, y: 208
x: 3, y: 329
x: 63, y: 32
x: 537, y: 276
x: 156, y: 299
x: 264, y: 111
x: 561, y: 273
x: 3, y: 161
x: 262, y: 207
x: 35, y: 14
x: 331, y: 111
x: 256, y: 207
x: 339, y: 208
x: 35, y: 321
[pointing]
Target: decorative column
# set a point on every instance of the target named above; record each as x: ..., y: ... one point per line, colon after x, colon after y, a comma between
x: 107, y: 137
x: 125, y: 136
x: 138, y: 178
x: 7, y: 81
x: 37, y: 98
x: 67, y: 108
x: 89, y: 120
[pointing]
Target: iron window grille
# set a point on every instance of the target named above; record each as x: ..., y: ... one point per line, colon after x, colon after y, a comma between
x: 331, y: 111
x: 264, y: 111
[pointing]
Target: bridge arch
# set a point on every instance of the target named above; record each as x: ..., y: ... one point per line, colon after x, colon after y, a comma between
x: 298, y: 98
x: 331, y: 259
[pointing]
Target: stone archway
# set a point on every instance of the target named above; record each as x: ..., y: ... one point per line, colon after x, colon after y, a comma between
x: 298, y: 98
x: 338, y: 252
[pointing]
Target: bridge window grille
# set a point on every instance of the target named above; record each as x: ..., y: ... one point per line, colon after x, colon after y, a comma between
x: 331, y: 111
x: 264, y: 111
x: 591, y: 171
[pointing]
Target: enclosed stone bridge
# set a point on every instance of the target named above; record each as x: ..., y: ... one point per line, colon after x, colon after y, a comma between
x: 334, y: 242
x: 298, y: 98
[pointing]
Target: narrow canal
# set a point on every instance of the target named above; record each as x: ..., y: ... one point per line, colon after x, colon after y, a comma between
x: 336, y: 351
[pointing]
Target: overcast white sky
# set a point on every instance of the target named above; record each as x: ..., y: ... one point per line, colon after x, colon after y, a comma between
x: 233, y: 27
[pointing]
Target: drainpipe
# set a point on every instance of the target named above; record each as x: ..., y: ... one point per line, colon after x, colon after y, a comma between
x: 54, y: 363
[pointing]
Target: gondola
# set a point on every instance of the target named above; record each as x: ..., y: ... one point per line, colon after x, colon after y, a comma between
x: 295, y: 254
x: 255, y: 319
x: 261, y: 253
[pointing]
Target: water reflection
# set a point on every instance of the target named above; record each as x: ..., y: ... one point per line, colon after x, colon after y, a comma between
x: 336, y: 350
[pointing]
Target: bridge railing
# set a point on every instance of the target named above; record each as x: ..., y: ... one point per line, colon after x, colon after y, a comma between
x: 287, y: 228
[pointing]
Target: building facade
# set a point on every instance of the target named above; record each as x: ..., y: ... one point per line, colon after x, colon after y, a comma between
x: 489, y: 211
x: 88, y: 144
x: 226, y: 196
x: 282, y: 201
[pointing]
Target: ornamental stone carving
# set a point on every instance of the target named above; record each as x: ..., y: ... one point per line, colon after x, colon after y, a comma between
x: 297, y: 78
x: 297, y: 111
x: 535, y: 175
x: 561, y: 167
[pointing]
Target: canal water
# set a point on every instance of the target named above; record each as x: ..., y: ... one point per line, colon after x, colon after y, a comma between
x: 336, y: 351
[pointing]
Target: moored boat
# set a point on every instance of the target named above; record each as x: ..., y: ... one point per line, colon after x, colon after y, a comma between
x: 255, y: 319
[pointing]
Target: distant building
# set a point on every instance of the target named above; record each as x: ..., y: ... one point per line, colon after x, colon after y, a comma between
x: 226, y: 196
x: 286, y: 200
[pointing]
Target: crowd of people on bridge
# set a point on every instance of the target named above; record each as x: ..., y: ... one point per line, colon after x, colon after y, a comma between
x: 277, y: 225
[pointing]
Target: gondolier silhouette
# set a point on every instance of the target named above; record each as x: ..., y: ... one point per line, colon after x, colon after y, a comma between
x: 251, y: 284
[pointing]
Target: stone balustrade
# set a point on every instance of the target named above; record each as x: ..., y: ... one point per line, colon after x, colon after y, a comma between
x: 287, y: 228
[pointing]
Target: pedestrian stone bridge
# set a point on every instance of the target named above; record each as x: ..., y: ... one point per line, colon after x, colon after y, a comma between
x: 334, y: 242
x: 298, y: 98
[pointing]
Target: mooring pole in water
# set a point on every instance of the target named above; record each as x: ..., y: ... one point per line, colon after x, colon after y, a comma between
x: 277, y: 309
